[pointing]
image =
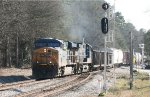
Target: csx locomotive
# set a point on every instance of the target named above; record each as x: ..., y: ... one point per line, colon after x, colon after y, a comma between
x: 53, y: 57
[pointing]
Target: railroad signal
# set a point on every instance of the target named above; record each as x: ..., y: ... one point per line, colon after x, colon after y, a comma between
x: 104, y: 21
x: 104, y: 25
x: 105, y: 6
x: 104, y: 28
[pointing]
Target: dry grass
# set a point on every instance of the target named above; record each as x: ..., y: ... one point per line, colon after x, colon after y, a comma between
x: 141, y: 87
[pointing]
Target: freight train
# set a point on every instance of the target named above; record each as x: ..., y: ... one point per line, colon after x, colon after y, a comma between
x: 53, y: 57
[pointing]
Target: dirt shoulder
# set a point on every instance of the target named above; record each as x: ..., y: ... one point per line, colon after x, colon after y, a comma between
x: 15, y: 72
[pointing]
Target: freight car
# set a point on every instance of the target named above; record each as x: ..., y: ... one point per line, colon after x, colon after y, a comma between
x: 126, y: 58
x: 109, y: 56
x: 117, y: 56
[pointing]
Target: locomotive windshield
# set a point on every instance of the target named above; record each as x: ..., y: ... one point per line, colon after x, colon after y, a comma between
x: 47, y: 43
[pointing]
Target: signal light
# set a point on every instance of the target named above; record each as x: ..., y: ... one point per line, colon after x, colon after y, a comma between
x: 104, y: 25
x: 105, y: 6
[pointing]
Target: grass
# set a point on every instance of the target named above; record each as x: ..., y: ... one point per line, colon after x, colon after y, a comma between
x: 141, y: 87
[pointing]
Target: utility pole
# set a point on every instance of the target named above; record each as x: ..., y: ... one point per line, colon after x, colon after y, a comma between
x: 131, y: 61
x: 113, y: 40
x: 17, y: 51
x: 142, y: 54
x: 114, y: 20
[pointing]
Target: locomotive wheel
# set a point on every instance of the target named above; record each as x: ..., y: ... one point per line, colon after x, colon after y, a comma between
x: 90, y: 67
x: 61, y: 71
x: 81, y: 69
x: 74, y: 69
x: 55, y: 70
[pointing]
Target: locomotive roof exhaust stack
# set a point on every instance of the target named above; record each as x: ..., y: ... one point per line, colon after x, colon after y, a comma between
x: 83, y: 41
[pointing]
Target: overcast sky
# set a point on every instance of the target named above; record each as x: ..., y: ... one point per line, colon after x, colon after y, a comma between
x: 135, y: 11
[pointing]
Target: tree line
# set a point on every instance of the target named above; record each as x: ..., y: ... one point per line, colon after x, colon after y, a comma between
x: 22, y: 22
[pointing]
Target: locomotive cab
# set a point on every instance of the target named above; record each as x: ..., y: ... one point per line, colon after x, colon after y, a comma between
x: 45, y: 58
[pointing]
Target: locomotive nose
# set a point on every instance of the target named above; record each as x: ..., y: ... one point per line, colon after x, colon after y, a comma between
x: 49, y: 59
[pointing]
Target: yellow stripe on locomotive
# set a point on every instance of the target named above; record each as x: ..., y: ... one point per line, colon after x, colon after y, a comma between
x: 45, y: 56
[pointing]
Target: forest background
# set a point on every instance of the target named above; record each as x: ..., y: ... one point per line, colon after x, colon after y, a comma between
x: 22, y: 22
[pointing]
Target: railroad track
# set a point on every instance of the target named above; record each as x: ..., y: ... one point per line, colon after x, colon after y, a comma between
x: 21, y: 88
x: 14, y: 85
x: 8, y: 86
x: 56, y: 87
